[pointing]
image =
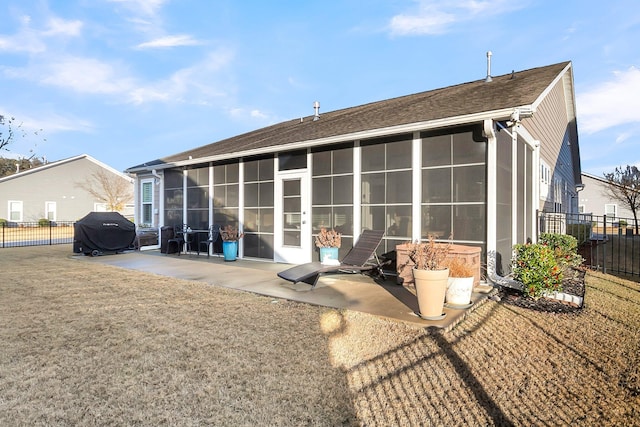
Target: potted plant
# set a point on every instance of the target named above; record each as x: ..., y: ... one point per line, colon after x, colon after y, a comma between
x: 430, y: 276
x: 460, y: 282
x: 328, y: 241
x: 230, y: 237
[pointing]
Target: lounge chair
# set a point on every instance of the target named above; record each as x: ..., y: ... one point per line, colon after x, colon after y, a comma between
x: 361, y: 258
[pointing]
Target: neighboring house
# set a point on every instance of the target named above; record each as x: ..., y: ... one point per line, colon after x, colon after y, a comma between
x: 595, y: 200
x: 51, y: 191
x: 475, y: 160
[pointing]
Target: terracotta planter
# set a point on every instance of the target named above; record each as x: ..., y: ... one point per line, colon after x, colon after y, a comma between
x: 459, y: 290
x: 431, y: 287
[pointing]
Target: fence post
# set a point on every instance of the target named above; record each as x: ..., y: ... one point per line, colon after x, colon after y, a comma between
x: 50, y: 234
x: 604, y: 245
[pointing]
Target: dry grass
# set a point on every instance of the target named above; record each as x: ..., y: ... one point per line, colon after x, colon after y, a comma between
x: 89, y: 344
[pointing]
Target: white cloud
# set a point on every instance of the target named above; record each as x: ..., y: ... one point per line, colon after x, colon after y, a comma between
x: 623, y: 137
x: 84, y: 75
x: 32, y: 40
x: 196, y: 84
x: 437, y: 17
x: 143, y: 7
x: 57, y: 26
x: 170, y: 41
x: 611, y: 103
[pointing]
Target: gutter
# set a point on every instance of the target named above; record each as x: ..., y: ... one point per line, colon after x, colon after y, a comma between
x: 406, y: 128
x: 492, y: 274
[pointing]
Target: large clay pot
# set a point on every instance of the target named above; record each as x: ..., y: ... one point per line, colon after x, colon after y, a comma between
x: 431, y: 287
x: 459, y: 291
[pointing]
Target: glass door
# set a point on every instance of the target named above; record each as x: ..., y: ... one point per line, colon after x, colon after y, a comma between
x: 292, y: 237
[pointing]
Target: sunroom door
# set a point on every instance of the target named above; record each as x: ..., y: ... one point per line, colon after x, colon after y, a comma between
x: 292, y: 234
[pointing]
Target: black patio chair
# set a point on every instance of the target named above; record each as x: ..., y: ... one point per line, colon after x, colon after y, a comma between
x: 361, y: 258
x: 214, y: 235
x: 178, y: 238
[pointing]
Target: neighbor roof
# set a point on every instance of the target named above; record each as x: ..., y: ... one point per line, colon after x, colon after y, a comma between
x: 62, y: 162
x: 504, y: 92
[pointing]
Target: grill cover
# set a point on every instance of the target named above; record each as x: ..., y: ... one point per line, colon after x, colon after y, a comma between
x: 103, y: 232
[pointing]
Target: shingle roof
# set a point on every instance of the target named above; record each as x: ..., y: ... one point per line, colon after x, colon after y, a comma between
x: 507, y: 91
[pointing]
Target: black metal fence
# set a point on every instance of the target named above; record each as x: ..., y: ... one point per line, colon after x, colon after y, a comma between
x: 608, y: 244
x: 14, y: 234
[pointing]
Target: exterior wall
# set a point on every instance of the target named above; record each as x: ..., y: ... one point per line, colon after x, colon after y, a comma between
x: 53, y: 184
x: 594, y: 198
x: 553, y: 127
x: 411, y: 186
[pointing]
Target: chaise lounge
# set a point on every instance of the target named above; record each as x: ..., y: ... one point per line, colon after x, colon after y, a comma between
x: 361, y: 258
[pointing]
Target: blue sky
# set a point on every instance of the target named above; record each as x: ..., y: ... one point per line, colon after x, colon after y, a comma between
x: 127, y: 81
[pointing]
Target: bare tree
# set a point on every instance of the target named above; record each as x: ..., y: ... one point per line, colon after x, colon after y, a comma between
x: 109, y: 188
x: 6, y: 131
x: 623, y: 185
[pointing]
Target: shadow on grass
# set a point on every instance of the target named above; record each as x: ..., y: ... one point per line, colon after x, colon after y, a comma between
x: 416, y: 380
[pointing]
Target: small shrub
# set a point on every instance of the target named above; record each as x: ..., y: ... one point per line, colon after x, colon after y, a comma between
x: 44, y: 222
x: 3, y: 222
x: 536, y: 267
x: 565, y: 248
x: 458, y: 267
x: 428, y: 255
x: 230, y: 233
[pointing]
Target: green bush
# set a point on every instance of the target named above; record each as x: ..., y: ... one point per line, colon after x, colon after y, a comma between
x: 565, y: 248
x: 536, y: 267
x: 622, y: 223
x: 44, y: 222
x: 3, y: 222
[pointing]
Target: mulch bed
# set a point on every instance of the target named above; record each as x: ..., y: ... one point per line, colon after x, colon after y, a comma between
x: 573, y: 284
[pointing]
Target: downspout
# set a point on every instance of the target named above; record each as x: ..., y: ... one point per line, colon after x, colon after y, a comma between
x: 492, y: 188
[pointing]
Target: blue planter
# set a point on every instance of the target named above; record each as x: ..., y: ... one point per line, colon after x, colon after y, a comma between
x: 328, y: 253
x: 230, y: 250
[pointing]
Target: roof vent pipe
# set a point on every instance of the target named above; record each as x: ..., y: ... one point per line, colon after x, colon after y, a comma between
x: 316, y: 107
x: 488, y: 79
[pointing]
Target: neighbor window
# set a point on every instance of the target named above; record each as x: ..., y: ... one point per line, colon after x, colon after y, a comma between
x: 50, y: 210
x: 611, y: 210
x: 15, y: 210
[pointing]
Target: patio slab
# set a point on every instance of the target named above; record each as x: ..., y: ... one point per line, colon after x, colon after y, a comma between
x: 355, y: 292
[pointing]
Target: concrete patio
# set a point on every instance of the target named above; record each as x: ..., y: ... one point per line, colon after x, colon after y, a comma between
x: 355, y: 292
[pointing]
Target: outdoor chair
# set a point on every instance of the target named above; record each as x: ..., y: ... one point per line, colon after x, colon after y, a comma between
x: 361, y: 258
x: 214, y: 235
x: 178, y: 238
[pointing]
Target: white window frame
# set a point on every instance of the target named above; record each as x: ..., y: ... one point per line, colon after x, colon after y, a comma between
x: 615, y: 210
x: 48, y: 210
x: 143, y: 203
x: 20, y: 210
x: 545, y: 180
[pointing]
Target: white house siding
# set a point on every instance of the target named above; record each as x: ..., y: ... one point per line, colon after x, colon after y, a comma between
x: 593, y: 199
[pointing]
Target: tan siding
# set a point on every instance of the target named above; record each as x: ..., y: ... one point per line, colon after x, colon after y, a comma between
x: 551, y: 126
